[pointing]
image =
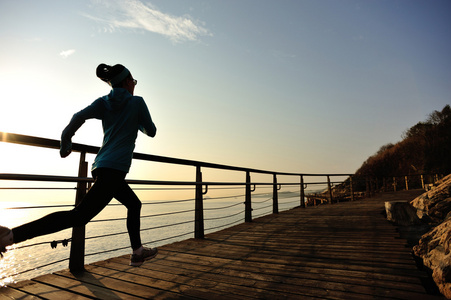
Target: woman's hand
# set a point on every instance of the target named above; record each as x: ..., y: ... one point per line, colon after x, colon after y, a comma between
x: 65, y: 148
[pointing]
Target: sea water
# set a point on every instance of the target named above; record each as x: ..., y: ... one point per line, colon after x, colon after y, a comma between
x: 106, y: 234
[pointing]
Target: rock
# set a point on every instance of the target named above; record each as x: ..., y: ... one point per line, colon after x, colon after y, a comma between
x: 435, y: 204
x: 434, y: 246
x: 434, y: 249
x: 440, y: 210
x: 401, y: 213
x: 421, y: 203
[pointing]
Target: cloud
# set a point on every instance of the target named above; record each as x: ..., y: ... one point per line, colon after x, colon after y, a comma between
x: 67, y: 53
x: 135, y: 14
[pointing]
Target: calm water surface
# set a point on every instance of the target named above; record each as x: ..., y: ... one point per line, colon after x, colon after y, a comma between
x: 104, y: 237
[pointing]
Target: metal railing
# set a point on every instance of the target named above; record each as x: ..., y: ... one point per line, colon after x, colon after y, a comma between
x: 199, y: 186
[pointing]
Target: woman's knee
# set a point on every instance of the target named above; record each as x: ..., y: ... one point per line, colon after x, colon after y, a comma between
x: 79, y: 219
x: 135, y: 205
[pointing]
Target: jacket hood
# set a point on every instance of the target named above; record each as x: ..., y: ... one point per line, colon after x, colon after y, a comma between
x: 116, y: 99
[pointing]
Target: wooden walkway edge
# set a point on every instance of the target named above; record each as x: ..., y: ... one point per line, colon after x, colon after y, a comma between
x: 340, y: 251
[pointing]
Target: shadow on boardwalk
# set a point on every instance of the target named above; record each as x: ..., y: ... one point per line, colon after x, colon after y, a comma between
x: 340, y: 251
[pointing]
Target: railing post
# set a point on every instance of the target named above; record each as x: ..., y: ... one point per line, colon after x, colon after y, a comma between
x: 247, y: 201
x: 302, y: 192
x: 199, y: 207
x: 407, y: 182
x: 329, y: 188
x: 77, y: 247
x: 422, y: 181
x: 275, y: 197
x: 394, y: 184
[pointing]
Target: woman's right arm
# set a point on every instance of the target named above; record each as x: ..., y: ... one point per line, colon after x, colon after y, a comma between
x: 95, y: 110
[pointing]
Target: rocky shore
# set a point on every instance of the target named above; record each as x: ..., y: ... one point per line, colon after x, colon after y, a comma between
x: 433, y: 210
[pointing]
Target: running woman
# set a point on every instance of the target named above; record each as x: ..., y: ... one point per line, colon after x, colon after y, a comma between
x: 122, y: 115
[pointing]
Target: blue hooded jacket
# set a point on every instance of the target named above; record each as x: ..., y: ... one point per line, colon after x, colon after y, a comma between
x: 122, y: 115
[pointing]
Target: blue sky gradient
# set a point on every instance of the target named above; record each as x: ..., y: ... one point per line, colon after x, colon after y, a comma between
x: 294, y: 86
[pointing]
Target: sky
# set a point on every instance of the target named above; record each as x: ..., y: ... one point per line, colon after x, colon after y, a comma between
x: 292, y: 86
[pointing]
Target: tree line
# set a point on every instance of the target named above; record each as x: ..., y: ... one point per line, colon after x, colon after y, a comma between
x: 425, y: 148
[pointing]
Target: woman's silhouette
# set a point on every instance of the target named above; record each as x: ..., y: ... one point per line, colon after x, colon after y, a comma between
x: 122, y: 115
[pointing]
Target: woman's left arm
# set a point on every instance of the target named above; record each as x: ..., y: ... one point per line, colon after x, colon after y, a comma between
x: 146, y: 124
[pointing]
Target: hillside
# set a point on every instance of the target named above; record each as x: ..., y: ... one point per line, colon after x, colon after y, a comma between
x: 425, y: 148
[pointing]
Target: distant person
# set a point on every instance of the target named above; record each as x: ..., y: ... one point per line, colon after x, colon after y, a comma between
x: 122, y: 115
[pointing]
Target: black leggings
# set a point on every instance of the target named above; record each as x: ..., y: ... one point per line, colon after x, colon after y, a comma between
x: 108, y: 184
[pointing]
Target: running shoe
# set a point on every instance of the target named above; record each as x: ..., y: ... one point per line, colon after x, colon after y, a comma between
x: 136, y: 260
x: 6, y: 239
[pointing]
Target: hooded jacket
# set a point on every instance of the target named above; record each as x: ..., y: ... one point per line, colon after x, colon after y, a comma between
x: 122, y: 115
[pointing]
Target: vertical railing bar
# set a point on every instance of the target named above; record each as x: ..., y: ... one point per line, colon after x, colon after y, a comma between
x: 275, y: 197
x: 77, y: 250
x: 248, y: 201
x: 199, y: 207
x: 302, y: 192
x: 329, y: 189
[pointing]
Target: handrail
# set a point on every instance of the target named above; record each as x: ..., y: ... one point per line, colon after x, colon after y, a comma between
x: 53, y: 178
x: 55, y: 144
x: 200, y: 187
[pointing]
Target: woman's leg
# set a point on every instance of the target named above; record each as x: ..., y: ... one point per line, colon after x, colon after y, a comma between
x: 98, y: 196
x: 51, y: 223
x: 128, y: 198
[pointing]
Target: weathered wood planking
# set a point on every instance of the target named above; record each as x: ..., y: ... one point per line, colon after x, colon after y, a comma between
x: 340, y: 251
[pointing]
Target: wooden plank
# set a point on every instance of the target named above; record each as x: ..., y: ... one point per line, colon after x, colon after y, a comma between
x: 177, y: 281
x: 284, y: 250
x: 10, y: 293
x: 118, y: 268
x: 256, y: 285
x: 339, y: 251
x: 115, y: 285
x: 238, y: 287
x: 45, y: 291
x: 322, y: 273
x: 82, y: 288
x: 240, y: 253
x: 277, y: 273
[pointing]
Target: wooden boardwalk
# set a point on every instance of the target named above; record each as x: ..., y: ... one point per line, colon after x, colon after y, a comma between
x: 340, y: 251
